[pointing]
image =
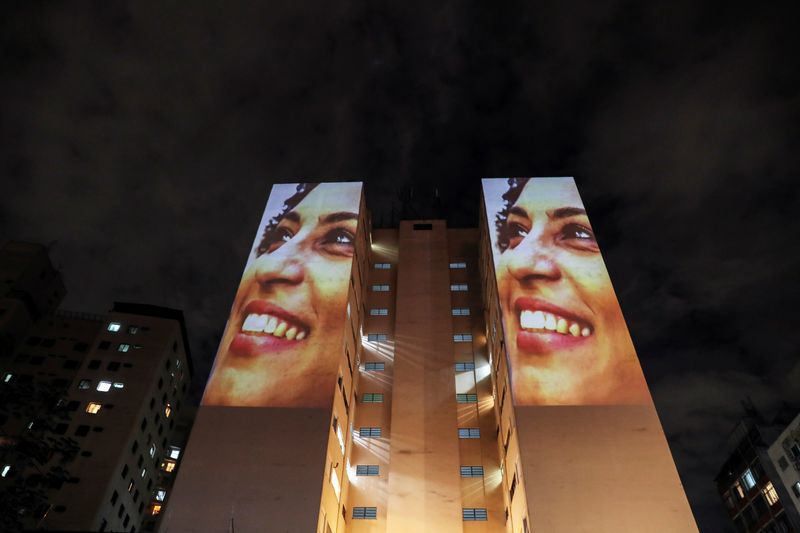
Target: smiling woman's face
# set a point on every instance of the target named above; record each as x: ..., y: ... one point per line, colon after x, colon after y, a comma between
x: 567, y: 339
x: 283, y: 339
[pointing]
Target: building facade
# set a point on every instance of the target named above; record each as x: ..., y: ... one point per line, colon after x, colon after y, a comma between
x: 90, y: 422
x: 430, y: 414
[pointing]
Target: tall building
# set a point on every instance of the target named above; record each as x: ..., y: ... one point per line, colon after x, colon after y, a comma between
x: 758, y: 481
x: 90, y: 405
x: 424, y: 378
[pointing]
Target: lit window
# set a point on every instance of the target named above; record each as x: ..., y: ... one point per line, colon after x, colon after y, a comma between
x: 6, y: 469
x: 381, y: 287
x: 737, y: 488
x: 376, y: 337
x: 365, y: 513
x: 144, y: 472
x: 471, y: 471
x: 174, y: 452
x: 382, y: 311
x: 8, y: 377
x: 458, y: 265
x: 133, y: 330
x: 470, y: 514
x: 367, y: 432
x: 770, y: 493
x: 340, y: 437
x: 168, y: 466
x: 114, y: 326
x: 104, y: 386
x: 161, y: 494
x: 372, y: 397
x: 119, y: 385
x: 748, y: 479
x: 466, y: 398
x: 93, y: 408
x: 465, y: 366
x: 123, y: 347
x: 459, y: 287
x: 168, y: 410
x: 796, y: 489
x: 335, y: 482
x: 469, y: 433
x: 383, y: 266
x: 155, y: 509
x: 462, y: 337
x: 368, y: 470
x: 152, y: 450
x: 131, y: 486
x: 460, y: 311
x: 374, y: 366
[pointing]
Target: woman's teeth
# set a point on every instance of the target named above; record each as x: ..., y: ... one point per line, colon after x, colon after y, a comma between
x: 547, y: 321
x: 255, y: 323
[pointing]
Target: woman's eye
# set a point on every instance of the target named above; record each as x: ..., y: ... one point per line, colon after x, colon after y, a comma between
x: 515, y: 233
x: 274, y: 239
x: 339, y: 241
x: 580, y: 235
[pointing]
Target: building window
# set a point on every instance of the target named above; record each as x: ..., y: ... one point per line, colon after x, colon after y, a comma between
x: 167, y: 410
x: 133, y: 330
x: 334, y: 479
x: 472, y: 514
x: 783, y: 463
x: 469, y: 433
x: 93, y: 408
x: 796, y: 489
x: 155, y: 509
x: 372, y: 397
x: 460, y: 311
x: 471, y: 471
x: 377, y: 337
x: 114, y: 327
x: 379, y: 311
x: 119, y: 385
x: 104, y: 345
x: 161, y: 495
x: 368, y: 470
x: 174, y: 452
x: 748, y: 479
x: 462, y: 337
x: 459, y: 287
x: 84, y: 384
x: 372, y: 366
x: 466, y: 398
x: 383, y: 266
x: 365, y: 513
x: 5, y: 470
x: 770, y: 493
x: 144, y: 472
x: 380, y: 287
x: 94, y: 364
x: 82, y: 430
x: 104, y: 386
x: 465, y: 366
x: 367, y: 432
x: 152, y: 449
x: 168, y: 466
x: 8, y: 377
x: 123, y: 347
x: 458, y: 265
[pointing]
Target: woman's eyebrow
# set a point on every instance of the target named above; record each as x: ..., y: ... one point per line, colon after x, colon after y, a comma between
x: 292, y: 216
x: 518, y: 211
x: 565, y: 212
x: 338, y: 217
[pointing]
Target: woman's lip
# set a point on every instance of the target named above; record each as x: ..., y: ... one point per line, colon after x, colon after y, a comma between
x: 247, y: 345
x: 263, y: 307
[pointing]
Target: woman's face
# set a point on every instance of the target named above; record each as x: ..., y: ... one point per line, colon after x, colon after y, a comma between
x: 567, y: 339
x: 283, y: 338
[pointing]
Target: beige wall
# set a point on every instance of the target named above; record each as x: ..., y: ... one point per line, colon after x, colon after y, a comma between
x: 424, y: 483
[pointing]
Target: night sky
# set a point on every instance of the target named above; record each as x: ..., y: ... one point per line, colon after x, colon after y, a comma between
x: 141, y: 142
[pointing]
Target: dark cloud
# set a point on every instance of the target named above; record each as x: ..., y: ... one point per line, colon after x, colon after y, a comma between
x: 142, y: 142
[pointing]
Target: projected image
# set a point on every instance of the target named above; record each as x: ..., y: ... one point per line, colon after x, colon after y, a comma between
x: 284, y: 336
x: 566, y: 339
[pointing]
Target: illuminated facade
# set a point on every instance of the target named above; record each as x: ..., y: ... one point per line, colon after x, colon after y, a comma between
x: 431, y: 421
x: 93, y: 408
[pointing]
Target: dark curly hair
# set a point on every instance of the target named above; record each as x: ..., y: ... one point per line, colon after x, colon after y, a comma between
x: 515, y: 186
x: 302, y: 191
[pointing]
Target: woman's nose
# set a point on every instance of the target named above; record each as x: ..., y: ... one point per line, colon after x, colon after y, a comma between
x: 283, y: 265
x: 533, y: 260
